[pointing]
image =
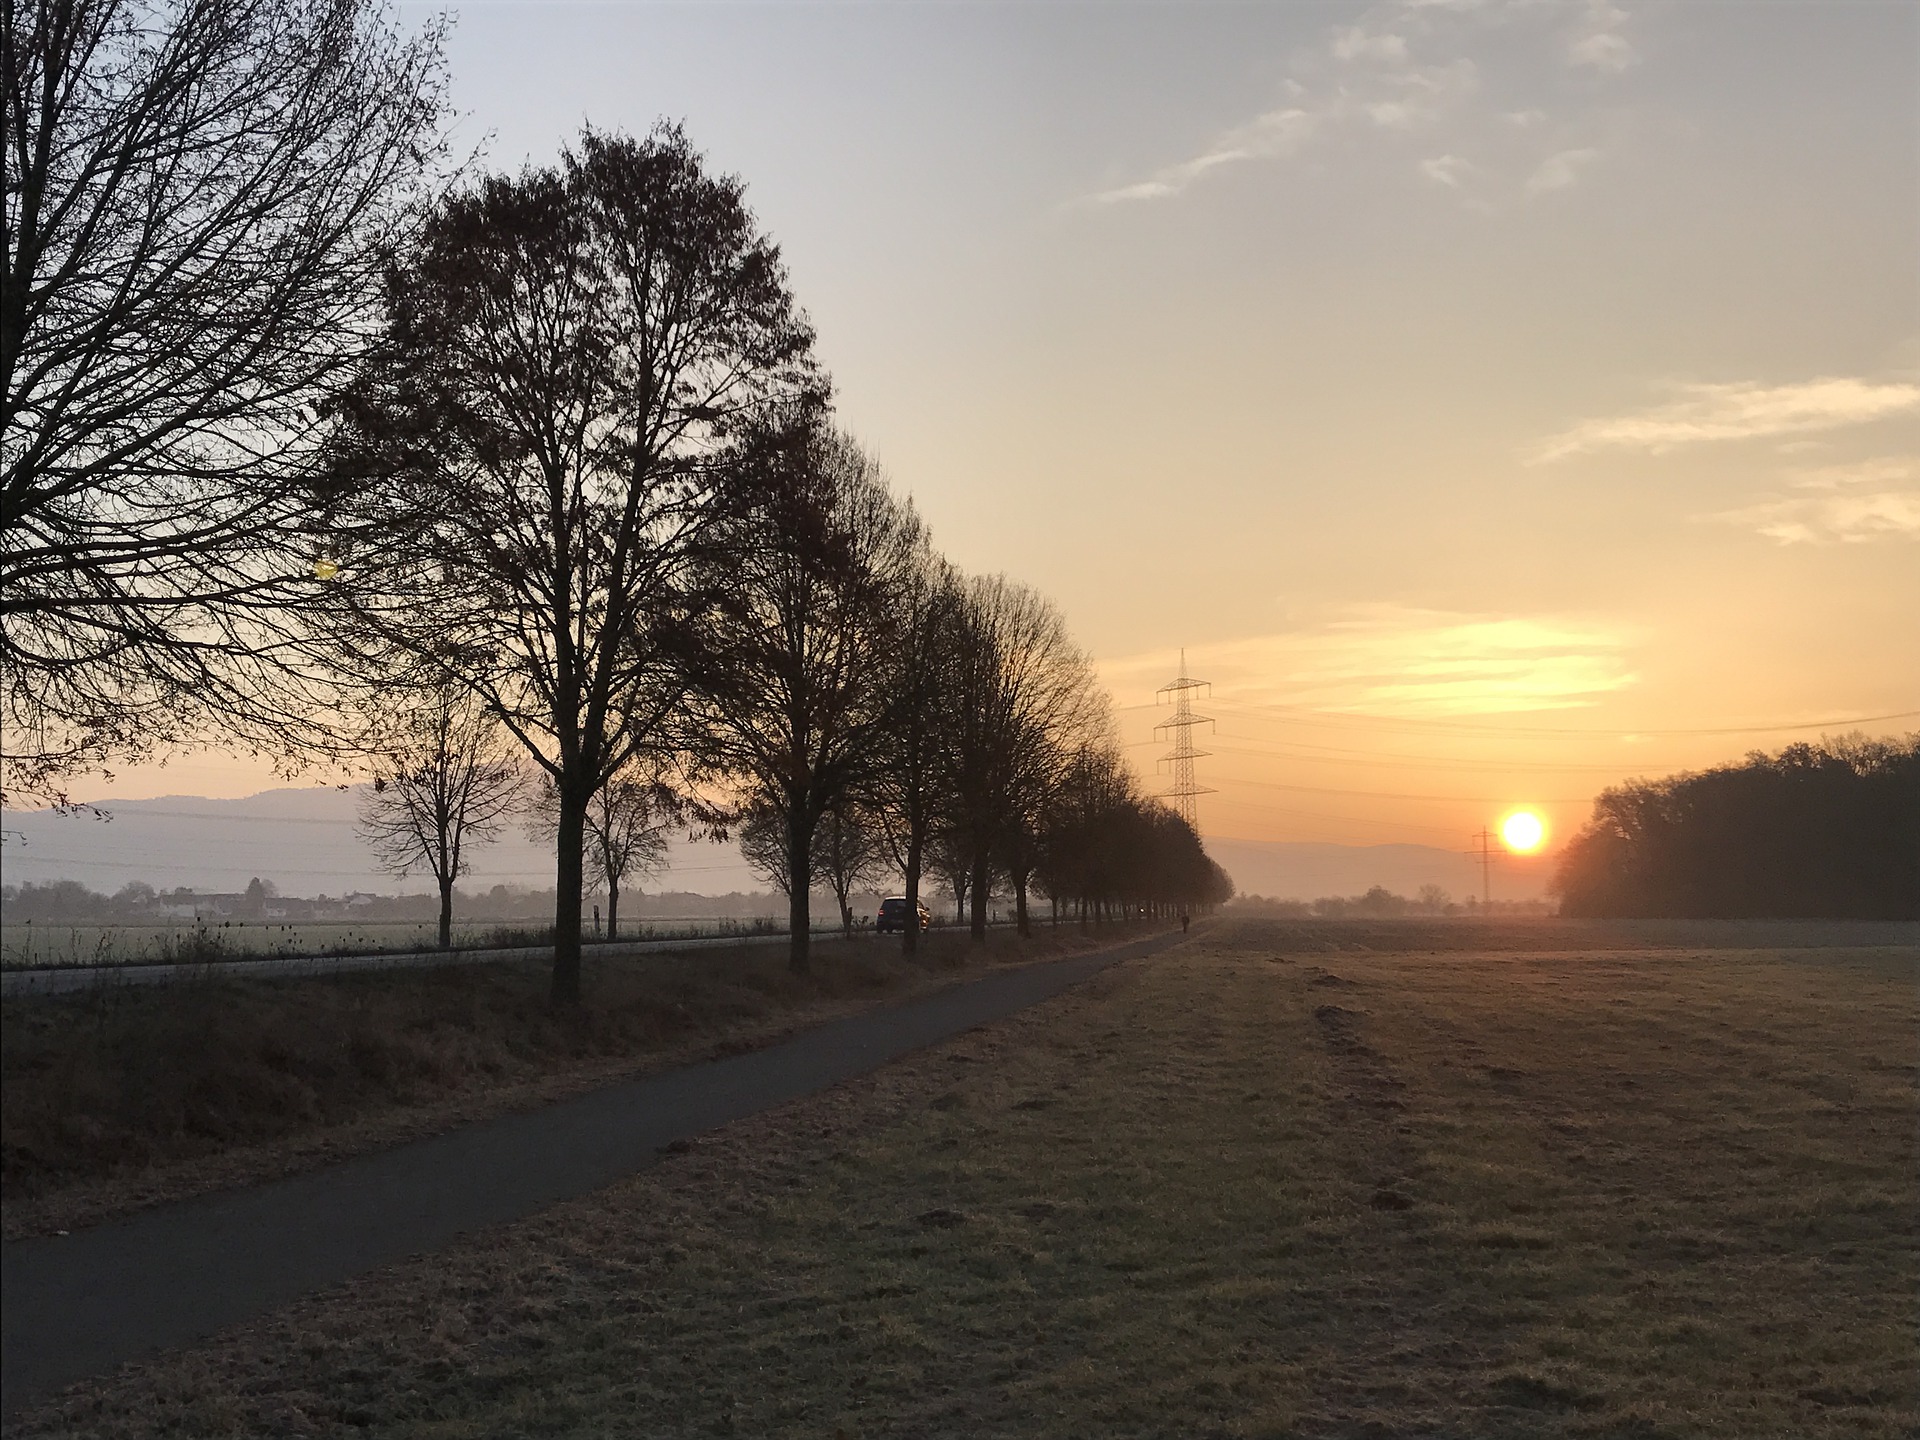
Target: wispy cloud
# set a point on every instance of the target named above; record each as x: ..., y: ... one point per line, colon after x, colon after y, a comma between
x: 1278, y: 132
x: 1600, y: 44
x: 1740, y: 411
x: 1357, y: 43
x: 1882, y: 470
x: 1839, y: 504
x: 1832, y: 519
x: 1402, y: 70
x: 1559, y: 171
x: 1393, y: 660
x: 1446, y: 170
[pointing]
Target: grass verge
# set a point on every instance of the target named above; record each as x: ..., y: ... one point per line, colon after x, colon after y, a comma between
x: 127, y: 1096
x: 1227, y: 1191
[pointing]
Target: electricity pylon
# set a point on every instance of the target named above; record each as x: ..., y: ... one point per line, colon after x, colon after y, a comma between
x: 1184, y: 789
x: 1483, y: 841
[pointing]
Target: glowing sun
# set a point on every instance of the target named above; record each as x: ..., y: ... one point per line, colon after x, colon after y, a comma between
x: 1523, y: 831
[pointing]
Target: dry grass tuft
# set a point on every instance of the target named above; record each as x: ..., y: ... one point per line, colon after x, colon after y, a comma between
x: 1513, y: 1195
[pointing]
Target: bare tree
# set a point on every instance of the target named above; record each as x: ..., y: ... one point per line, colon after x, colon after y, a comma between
x: 849, y: 850
x: 625, y: 831
x: 569, y: 356
x: 196, y: 192
x: 1025, y: 700
x: 444, y: 786
x: 762, y: 836
x: 1105, y: 846
x: 626, y: 837
x: 919, y: 675
x: 793, y: 696
x: 951, y: 859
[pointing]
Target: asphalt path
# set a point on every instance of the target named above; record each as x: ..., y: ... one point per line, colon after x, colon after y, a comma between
x: 76, y: 1306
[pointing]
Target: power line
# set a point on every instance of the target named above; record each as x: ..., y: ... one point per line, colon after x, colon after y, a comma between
x: 1304, y: 715
x: 1403, y: 795
x: 1402, y: 760
x: 1350, y: 821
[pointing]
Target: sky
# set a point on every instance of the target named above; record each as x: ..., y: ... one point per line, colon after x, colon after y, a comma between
x: 1494, y: 398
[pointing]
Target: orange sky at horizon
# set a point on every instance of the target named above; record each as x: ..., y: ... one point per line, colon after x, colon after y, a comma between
x: 1498, y: 400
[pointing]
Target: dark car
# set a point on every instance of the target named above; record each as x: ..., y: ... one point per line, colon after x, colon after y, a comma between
x: 893, y: 915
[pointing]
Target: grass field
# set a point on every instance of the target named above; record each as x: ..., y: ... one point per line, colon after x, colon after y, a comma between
x: 188, y: 940
x: 1242, y: 1188
x: 191, y: 941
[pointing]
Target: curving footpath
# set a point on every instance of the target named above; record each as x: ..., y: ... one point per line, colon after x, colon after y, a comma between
x: 79, y: 1305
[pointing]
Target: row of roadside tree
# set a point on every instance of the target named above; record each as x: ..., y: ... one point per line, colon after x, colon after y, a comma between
x: 312, y: 443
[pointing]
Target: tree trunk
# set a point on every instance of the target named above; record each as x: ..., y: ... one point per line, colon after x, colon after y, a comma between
x: 910, y: 927
x: 613, y: 906
x: 569, y: 890
x: 446, y: 912
x: 1020, y: 909
x: 979, y: 888
x: 799, y: 884
x: 846, y: 913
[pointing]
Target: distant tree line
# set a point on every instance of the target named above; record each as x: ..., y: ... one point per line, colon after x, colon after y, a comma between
x: 525, y: 489
x: 1380, y: 903
x: 72, y: 902
x: 1828, y: 830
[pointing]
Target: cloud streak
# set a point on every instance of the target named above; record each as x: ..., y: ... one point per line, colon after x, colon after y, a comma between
x: 1276, y: 133
x: 1739, y: 411
x: 1839, y: 505
x: 1394, y: 660
x: 1399, y: 71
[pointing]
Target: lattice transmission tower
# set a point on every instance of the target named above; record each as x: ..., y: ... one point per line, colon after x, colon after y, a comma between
x: 1185, y: 789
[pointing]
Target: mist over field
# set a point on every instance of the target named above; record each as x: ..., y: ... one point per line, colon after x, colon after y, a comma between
x: 303, y: 840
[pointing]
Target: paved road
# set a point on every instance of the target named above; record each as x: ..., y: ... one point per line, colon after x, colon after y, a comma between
x: 78, y: 1305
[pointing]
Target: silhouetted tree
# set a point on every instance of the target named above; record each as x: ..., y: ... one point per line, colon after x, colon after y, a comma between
x: 196, y: 194
x: 257, y: 893
x: 949, y: 857
x: 625, y: 833
x: 1105, y: 847
x: 849, y: 850
x: 791, y: 699
x: 443, y: 786
x: 570, y: 355
x: 626, y: 836
x: 1829, y: 830
x: 1024, y: 698
x: 844, y: 853
x: 919, y: 678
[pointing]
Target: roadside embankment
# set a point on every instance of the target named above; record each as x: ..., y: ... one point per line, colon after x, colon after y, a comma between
x: 122, y: 1097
